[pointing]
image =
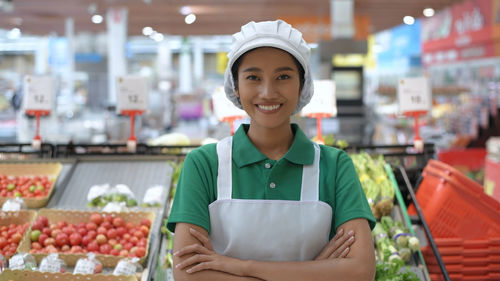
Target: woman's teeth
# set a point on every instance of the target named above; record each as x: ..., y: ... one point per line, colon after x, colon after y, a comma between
x: 269, y: 107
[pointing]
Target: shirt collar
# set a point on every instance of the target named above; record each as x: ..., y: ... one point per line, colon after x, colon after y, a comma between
x: 244, y: 152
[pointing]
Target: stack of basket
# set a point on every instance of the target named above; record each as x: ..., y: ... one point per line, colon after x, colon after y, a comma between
x: 464, y: 222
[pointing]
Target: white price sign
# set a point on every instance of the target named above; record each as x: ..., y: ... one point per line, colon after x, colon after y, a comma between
x: 223, y: 107
x: 38, y: 92
x: 414, y: 94
x: 323, y: 101
x: 132, y: 93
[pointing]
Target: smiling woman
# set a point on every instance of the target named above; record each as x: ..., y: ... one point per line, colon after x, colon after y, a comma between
x: 267, y: 203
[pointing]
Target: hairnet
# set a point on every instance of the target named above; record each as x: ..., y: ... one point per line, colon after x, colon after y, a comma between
x: 276, y: 34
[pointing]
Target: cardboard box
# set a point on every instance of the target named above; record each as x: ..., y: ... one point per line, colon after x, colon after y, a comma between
x: 52, y: 170
x: 17, y: 218
x: 75, y: 217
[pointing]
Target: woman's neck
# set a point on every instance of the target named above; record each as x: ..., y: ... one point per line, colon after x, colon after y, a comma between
x: 274, y: 143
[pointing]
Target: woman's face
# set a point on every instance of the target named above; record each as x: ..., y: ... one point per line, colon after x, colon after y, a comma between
x: 268, y: 86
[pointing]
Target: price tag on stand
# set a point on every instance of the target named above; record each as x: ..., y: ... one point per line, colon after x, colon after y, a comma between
x: 132, y: 100
x: 323, y: 104
x: 414, y: 99
x: 225, y: 110
x: 38, y: 100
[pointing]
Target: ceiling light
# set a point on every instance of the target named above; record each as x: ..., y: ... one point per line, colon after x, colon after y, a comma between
x: 409, y: 20
x: 428, y: 12
x: 186, y: 10
x: 190, y: 18
x: 377, y: 48
x: 147, y: 31
x: 14, y: 33
x: 97, y: 19
x: 158, y: 37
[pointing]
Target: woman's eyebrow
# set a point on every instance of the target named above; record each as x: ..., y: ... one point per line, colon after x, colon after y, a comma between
x: 279, y: 69
x: 252, y: 69
x: 284, y: 68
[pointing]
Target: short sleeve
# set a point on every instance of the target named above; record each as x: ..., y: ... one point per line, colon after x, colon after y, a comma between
x: 194, y: 190
x: 350, y: 198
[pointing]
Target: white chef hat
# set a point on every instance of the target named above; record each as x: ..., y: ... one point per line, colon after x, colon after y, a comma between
x: 276, y: 34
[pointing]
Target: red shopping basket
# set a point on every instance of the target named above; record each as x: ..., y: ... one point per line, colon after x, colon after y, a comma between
x: 456, y: 206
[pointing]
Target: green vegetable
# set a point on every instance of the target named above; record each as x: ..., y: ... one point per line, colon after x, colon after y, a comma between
x: 385, y: 246
x: 394, y: 272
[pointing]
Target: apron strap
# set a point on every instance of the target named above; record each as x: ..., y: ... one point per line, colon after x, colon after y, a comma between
x: 224, y: 177
x: 310, y: 178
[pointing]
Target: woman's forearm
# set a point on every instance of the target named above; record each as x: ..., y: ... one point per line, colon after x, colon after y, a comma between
x: 346, y: 269
x: 210, y: 275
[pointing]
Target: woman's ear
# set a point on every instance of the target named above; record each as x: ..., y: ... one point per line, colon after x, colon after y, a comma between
x: 236, y: 93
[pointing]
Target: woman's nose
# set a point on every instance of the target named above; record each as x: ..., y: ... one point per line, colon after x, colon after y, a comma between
x: 268, y: 90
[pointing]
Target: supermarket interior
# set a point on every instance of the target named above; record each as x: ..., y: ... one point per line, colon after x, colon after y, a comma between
x: 101, y: 101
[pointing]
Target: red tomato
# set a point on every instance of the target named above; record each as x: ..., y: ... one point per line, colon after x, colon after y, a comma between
x: 3, y: 242
x: 120, y: 231
x: 16, y: 238
x: 96, y: 218
x: 145, y: 230
x: 75, y: 239
x: 62, y: 239
x: 105, y: 249
x: 102, y: 230
x: 107, y: 225
x: 36, y: 246
x: 62, y: 224
x: 114, y: 252
x: 42, y: 237
x: 129, y: 225
x: 101, y: 239
x: 86, y: 240
x: 93, y: 246
x: 140, y: 252
x: 44, y: 220
x: 146, y: 222
x: 112, y: 233
x: 117, y: 222
x: 82, y: 231
x: 91, y: 226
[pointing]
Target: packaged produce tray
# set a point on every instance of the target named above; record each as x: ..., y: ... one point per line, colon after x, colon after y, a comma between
x: 75, y: 217
x: 17, y: 218
x: 49, y: 169
x: 138, y: 174
x: 24, y: 275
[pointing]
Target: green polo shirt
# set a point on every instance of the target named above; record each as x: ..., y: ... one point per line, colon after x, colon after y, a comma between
x: 252, y: 173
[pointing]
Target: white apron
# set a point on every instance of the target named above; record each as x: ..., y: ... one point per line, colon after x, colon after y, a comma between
x: 268, y: 230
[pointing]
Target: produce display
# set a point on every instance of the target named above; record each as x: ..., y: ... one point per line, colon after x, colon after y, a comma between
x: 52, y: 263
x: 10, y: 236
x: 25, y: 186
x: 100, y: 195
x: 22, y: 261
x: 88, y: 265
x: 103, y: 234
x: 376, y: 184
x: 393, y: 242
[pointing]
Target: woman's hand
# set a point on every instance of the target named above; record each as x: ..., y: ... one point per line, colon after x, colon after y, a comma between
x: 206, y: 258
x: 338, y: 247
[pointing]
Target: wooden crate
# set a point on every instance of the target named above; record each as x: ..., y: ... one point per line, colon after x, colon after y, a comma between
x: 52, y: 170
x: 75, y: 217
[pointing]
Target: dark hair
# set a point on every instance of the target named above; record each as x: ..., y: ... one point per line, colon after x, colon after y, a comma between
x: 237, y: 63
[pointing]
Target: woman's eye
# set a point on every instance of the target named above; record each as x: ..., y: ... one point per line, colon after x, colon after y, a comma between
x: 252, y: 77
x: 283, y: 77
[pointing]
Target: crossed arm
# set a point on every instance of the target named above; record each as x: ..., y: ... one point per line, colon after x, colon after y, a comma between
x: 341, y: 259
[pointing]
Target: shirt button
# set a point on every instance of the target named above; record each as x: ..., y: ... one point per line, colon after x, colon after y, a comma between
x: 267, y: 165
x: 272, y: 185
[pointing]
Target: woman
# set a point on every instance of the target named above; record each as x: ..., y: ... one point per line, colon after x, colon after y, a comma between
x: 263, y: 204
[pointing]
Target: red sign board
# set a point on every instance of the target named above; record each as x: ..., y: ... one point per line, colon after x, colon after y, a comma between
x: 462, y: 32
